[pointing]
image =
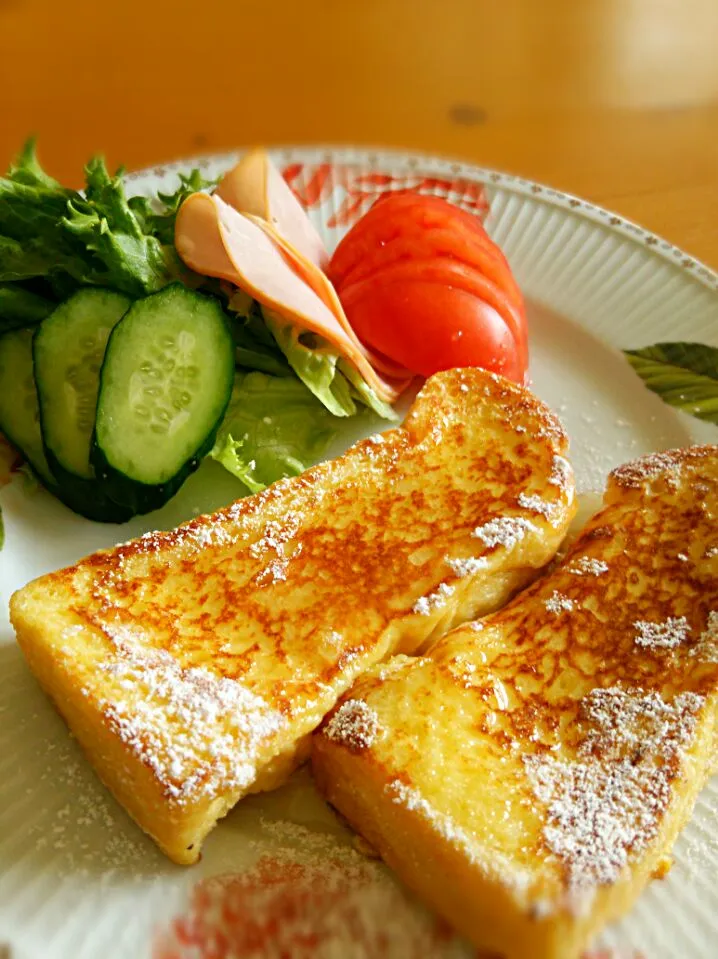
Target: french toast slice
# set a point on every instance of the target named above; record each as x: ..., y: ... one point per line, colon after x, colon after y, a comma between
x: 527, y: 775
x: 192, y: 665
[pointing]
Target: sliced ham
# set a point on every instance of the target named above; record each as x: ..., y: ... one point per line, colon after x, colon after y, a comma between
x: 214, y: 239
x: 255, y: 186
x: 324, y: 288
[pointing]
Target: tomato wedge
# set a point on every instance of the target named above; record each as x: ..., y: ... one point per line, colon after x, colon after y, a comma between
x: 432, y: 242
x: 423, y: 219
x: 434, y: 273
x: 400, y: 214
x: 478, y: 335
x: 422, y: 283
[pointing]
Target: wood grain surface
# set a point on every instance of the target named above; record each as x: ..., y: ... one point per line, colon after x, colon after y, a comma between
x: 614, y: 100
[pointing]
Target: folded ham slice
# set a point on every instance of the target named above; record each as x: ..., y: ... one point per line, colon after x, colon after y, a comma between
x: 214, y: 239
x: 256, y: 187
x: 324, y: 288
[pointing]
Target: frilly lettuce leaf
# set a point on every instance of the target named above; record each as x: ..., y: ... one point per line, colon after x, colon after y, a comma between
x: 160, y: 218
x: 27, y: 170
x: 316, y: 364
x: 330, y: 378
x: 98, y: 237
x: 364, y: 393
x: 29, y: 259
x: 274, y: 427
x: 103, y: 222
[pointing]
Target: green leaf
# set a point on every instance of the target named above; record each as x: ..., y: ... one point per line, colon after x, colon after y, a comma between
x: 27, y: 170
x: 265, y: 341
x: 329, y: 376
x: 251, y: 355
x: 250, y: 313
x: 33, y: 258
x: 157, y: 216
x: 19, y: 307
x: 274, y: 427
x: 361, y: 391
x: 136, y: 263
x: 315, y: 363
x: 29, y: 212
x: 99, y: 237
x: 31, y: 242
x: 105, y: 194
x: 31, y: 202
x: 133, y: 264
x: 162, y: 224
x: 255, y: 346
x: 684, y: 375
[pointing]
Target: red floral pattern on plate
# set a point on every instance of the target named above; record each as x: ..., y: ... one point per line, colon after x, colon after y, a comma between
x: 613, y: 954
x: 282, y: 908
x: 314, y: 184
x: 288, y: 909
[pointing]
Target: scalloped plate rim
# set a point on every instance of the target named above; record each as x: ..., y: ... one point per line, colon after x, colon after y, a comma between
x: 700, y: 280
x: 401, y: 160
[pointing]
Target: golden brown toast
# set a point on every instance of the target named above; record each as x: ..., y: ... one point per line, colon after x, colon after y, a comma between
x: 193, y: 665
x: 529, y: 773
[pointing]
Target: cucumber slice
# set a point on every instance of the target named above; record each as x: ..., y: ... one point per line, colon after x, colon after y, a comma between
x: 19, y: 409
x: 68, y: 348
x: 164, y: 388
x: 20, y: 422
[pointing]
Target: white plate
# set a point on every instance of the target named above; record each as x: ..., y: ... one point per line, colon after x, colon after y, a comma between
x: 78, y: 879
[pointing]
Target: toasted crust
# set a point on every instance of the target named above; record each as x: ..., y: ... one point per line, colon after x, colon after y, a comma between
x: 191, y: 665
x: 528, y: 775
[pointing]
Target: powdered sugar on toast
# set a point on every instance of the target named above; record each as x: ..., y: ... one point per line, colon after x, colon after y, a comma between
x: 197, y: 731
x: 666, y: 635
x: 604, y: 808
x: 506, y: 531
x: 354, y: 725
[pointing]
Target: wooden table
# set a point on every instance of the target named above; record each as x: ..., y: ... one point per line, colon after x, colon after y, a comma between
x: 615, y: 100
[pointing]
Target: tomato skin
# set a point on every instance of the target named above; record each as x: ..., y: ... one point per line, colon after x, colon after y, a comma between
x: 436, y: 273
x: 397, y: 219
x: 437, y: 242
x: 399, y: 214
x: 407, y: 240
x: 478, y: 335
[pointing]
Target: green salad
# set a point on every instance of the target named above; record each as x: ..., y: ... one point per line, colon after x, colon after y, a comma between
x: 121, y: 369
